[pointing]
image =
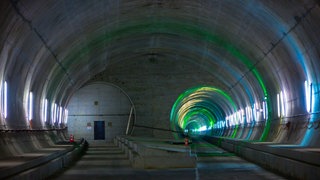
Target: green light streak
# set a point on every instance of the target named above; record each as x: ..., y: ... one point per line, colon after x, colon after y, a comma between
x: 202, y: 114
x: 185, y: 110
x: 161, y: 27
x: 145, y: 27
x: 173, y: 27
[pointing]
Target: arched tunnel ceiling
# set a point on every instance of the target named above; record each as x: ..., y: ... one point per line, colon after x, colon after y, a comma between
x: 249, y: 49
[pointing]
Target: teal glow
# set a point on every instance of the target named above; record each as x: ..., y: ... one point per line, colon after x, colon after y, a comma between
x: 173, y: 27
x: 195, y: 110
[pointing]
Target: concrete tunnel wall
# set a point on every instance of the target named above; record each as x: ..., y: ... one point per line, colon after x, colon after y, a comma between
x: 155, y: 51
x: 99, y: 102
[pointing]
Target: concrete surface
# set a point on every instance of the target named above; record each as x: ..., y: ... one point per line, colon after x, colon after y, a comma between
x: 40, y: 156
x: 293, y: 161
x: 99, y: 102
x: 110, y: 162
x: 250, y: 52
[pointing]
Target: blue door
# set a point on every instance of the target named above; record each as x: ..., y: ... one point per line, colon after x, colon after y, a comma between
x: 99, y: 130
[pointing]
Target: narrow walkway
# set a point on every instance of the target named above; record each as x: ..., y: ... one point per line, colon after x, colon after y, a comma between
x: 110, y: 162
x: 216, y: 163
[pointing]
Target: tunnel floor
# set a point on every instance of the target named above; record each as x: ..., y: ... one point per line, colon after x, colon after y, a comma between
x: 109, y: 162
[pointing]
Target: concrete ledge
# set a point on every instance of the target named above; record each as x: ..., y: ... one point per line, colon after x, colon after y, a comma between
x: 291, y: 161
x: 43, y: 167
x: 156, y: 153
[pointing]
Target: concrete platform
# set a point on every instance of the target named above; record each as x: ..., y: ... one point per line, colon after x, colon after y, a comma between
x: 212, y: 162
x: 290, y: 160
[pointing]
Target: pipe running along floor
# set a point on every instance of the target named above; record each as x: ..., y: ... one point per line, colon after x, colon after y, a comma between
x: 109, y: 162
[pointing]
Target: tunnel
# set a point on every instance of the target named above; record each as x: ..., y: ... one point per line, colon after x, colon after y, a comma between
x: 181, y: 87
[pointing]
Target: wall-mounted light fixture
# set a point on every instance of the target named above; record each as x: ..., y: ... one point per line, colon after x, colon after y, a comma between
x: 5, y: 103
x: 30, y: 107
x: 308, y: 95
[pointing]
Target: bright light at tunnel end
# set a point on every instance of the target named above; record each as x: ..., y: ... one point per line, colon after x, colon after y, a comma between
x: 196, y: 111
